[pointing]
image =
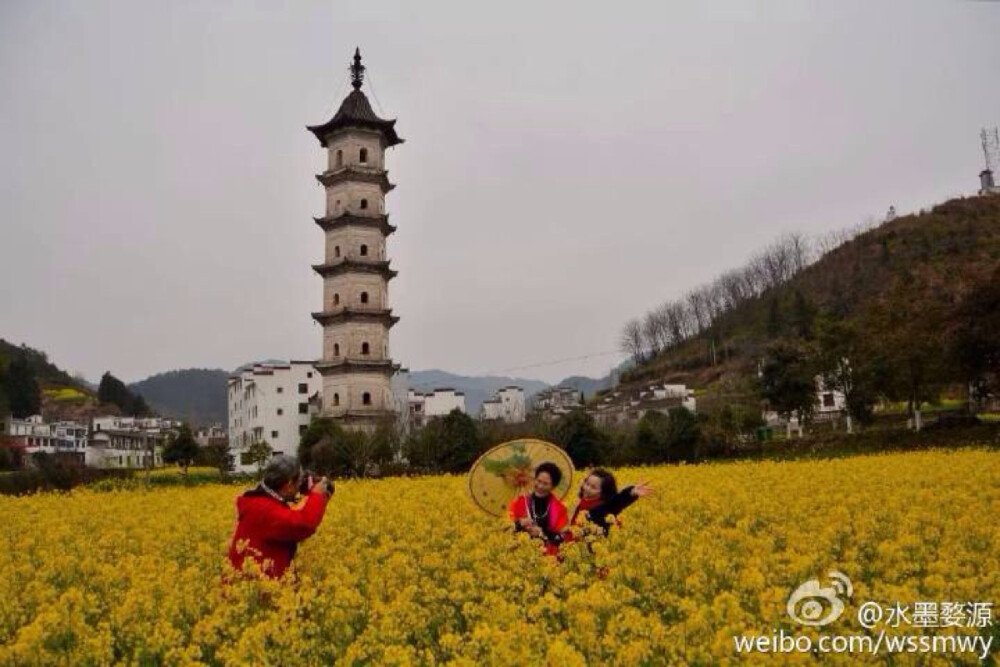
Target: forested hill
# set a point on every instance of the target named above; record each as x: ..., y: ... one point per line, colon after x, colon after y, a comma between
x: 908, y: 282
x: 47, y: 373
x: 194, y: 395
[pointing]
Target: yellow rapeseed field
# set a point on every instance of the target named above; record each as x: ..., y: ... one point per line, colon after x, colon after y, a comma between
x: 408, y: 571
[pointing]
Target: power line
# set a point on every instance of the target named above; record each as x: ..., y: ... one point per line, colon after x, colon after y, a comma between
x: 553, y: 362
x: 340, y: 90
x: 371, y: 86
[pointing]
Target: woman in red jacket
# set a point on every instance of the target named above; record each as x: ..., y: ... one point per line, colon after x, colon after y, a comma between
x: 268, y: 529
x: 540, y: 513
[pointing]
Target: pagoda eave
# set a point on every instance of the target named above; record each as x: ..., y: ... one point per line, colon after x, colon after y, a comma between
x: 360, y: 417
x: 346, y: 365
x: 325, y: 132
x: 356, y: 315
x: 350, y: 175
x: 380, y: 222
x: 354, y: 266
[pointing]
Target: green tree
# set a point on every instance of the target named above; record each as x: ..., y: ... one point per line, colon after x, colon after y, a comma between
x: 318, y: 429
x: 6, y: 458
x: 730, y: 428
x: 216, y: 455
x: 384, y: 445
x: 139, y: 407
x: 577, y: 433
x: 181, y: 449
x: 803, y: 316
x: 23, y: 393
x: 788, y: 381
x: 4, y: 402
x: 667, y: 438
x: 774, y: 323
x: 651, y: 438
x: 258, y: 454
x: 683, y: 434
x: 848, y: 364
x: 113, y: 391
x: 907, y: 330
x: 329, y: 449
x: 975, y: 345
x: 449, y: 443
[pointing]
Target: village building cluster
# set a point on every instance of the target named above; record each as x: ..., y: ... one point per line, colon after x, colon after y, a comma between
x: 103, y: 442
x: 507, y: 405
x: 621, y: 407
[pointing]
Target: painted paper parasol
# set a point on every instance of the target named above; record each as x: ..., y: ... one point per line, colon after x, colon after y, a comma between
x: 507, y: 470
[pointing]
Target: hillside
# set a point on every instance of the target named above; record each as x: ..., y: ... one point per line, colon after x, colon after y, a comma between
x: 62, y: 396
x: 48, y: 374
x: 194, y: 395
x: 587, y: 386
x: 929, y: 259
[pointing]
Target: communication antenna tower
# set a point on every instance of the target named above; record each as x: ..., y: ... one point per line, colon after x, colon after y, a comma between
x: 991, y: 148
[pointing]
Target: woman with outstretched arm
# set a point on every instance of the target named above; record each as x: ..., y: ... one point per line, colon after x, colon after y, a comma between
x: 600, y: 499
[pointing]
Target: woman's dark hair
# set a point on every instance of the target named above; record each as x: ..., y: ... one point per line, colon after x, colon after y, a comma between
x: 609, y: 487
x: 554, y: 472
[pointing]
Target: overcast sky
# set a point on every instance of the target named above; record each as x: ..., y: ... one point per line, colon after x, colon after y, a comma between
x: 564, y: 168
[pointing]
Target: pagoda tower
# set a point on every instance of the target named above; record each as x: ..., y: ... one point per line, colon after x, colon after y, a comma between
x: 356, y: 366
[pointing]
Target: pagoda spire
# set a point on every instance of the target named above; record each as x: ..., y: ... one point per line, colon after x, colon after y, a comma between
x: 357, y: 70
x: 356, y: 111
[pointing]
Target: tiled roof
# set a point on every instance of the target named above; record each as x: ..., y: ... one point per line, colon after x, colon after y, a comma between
x: 356, y: 111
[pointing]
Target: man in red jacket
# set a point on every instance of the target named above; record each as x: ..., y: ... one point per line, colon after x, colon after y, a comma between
x: 268, y: 529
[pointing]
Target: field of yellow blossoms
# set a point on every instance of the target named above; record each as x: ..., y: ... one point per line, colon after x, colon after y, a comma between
x: 408, y: 571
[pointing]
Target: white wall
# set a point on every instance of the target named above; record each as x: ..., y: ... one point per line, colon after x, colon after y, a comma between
x: 441, y: 402
x: 491, y: 409
x: 512, y: 400
x: 255, y: 398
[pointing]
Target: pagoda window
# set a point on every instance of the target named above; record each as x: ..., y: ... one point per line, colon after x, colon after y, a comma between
x: 336, y: 399
x: 364, y: 250
x: 366, y: 398
x: 365, y: 349
x: 364, y: 204
x: 363, y: 155
x: 336, y: 349
x: 340, y: 158
x: 336, y: 251
x: 364, y: 297
x: 336, y: 299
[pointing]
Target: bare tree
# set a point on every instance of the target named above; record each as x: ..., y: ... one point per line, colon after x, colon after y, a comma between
x: 699, y: 309
x: 799, y: 250
x: 677, y: 324
x: 676, y: 321
x: 735, y: 288
x: 651, y: 333
x: 632, y: 340
x: 715, y: 298
x: 755, y: 274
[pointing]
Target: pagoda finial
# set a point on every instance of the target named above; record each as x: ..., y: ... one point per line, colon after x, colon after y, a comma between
x: 357, y: 70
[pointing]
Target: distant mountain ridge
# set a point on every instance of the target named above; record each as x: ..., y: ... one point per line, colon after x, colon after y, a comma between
x: 199, y: 395
x: 194, y: 395
x: 476, y: 389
